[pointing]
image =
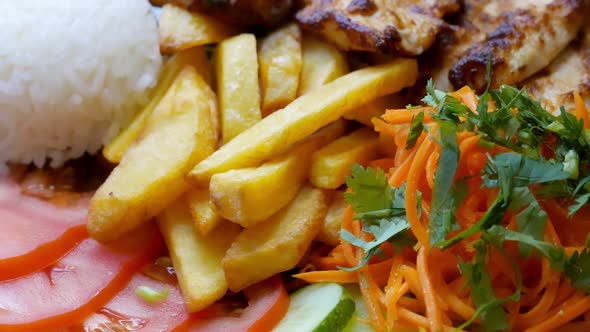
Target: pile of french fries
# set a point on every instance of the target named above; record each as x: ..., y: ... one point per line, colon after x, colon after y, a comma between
x: 240, y: 158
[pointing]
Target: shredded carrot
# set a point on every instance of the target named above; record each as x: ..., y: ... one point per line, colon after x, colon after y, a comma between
x: 581, y: 110
x: 400, y: 172
x: 417, y: 166
x: 563, y: 313
x: 402, y: 116
x: 379, y: 270
x: 467, y: 97
x: 421, y: 286
x: 371, y: 298
x: 432, y: 310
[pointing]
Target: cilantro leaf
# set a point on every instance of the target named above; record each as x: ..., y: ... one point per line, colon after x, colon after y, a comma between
x: 526, y: 171
x: 580, y: 202
x: 382, y: 231
x: 555, y: 255
x: 449, y: 108
x: 489, y: 308
x: 530, y: 217
x: 496, y: 127
x: 442, y: 209
x: 577, y: 269
x: 381, y: 209
x: 433, y: 97
x: 554, y: 189
x: 569, y: 127
x: 370, y: 190
x: 493, y: 215
x: 460, y: 192
x: 521, y: 198
x: 416, y: 129
x: 531, y: 221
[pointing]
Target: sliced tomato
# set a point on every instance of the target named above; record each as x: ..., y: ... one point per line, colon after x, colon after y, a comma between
x: 78, y: 285
x: 268, y: 302
x: 127, y: 311
x: 35, y: 233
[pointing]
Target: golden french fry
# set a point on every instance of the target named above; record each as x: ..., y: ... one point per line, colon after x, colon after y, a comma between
x: 280, y: 67
x: 196, y: 258
x: 178, y: 134
x: 195, y: 57
x: 306, y: 115
x: 248, y: 196
x: 237, y: 85
x: 181, y: 29
x: 277, y: 244
x: 330, y: 230
x: 375, y: 109
x: 322, y: 63
x: 331, y: 164
x: 204, y: 216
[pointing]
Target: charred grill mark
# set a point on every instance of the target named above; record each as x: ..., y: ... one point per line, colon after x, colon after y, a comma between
x: 360, y: 35
x: 520, y: 43
x: 471, y: 68
x: 391, y: 40
x: 401, y: 27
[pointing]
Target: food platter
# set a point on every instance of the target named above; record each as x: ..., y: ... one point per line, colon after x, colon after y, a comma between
x: 188, y: 165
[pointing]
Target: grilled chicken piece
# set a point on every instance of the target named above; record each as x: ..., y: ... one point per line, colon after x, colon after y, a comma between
x: 519, y: 37
x: 568, y: 73
x: 406, y: 27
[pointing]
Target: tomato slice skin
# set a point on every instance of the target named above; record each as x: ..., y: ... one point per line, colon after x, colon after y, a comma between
x: 35, y: 233
x: 129, y: 310
x: 268, y: 302
x: 79, y: 285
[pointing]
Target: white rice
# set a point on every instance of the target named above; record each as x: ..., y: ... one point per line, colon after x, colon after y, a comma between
x: 72, y: 73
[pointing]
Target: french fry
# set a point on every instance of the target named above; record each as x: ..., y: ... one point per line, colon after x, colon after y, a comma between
x: 202, y: 211
x: 181, y: 29
x: 330, y: 230
x: 248, y: 196
x: 280, y: 67
x: 196, y: 258
x: 237, y: 85
x: 331, y: 164
x: 322, y: 63
x: 375, y: 109
x: 178, y: 134
x: 277, y: 244
x: 195, y: 57
x: 304, y: 116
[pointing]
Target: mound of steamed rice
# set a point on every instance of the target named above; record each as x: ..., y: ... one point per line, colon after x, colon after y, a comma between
x: 72, y: 73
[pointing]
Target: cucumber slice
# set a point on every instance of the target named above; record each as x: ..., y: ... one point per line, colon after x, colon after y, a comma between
x: 324, y: 307
x: 358, y: 321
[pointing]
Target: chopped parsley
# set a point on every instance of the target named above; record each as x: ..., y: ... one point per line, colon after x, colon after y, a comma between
x: 381, y: 210
x: 442, y: 209
x: 489, y: 307
x: 416, y: 129
x: 547, y: 156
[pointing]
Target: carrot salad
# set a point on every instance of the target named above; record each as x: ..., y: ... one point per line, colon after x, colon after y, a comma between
x: 477, y: 218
